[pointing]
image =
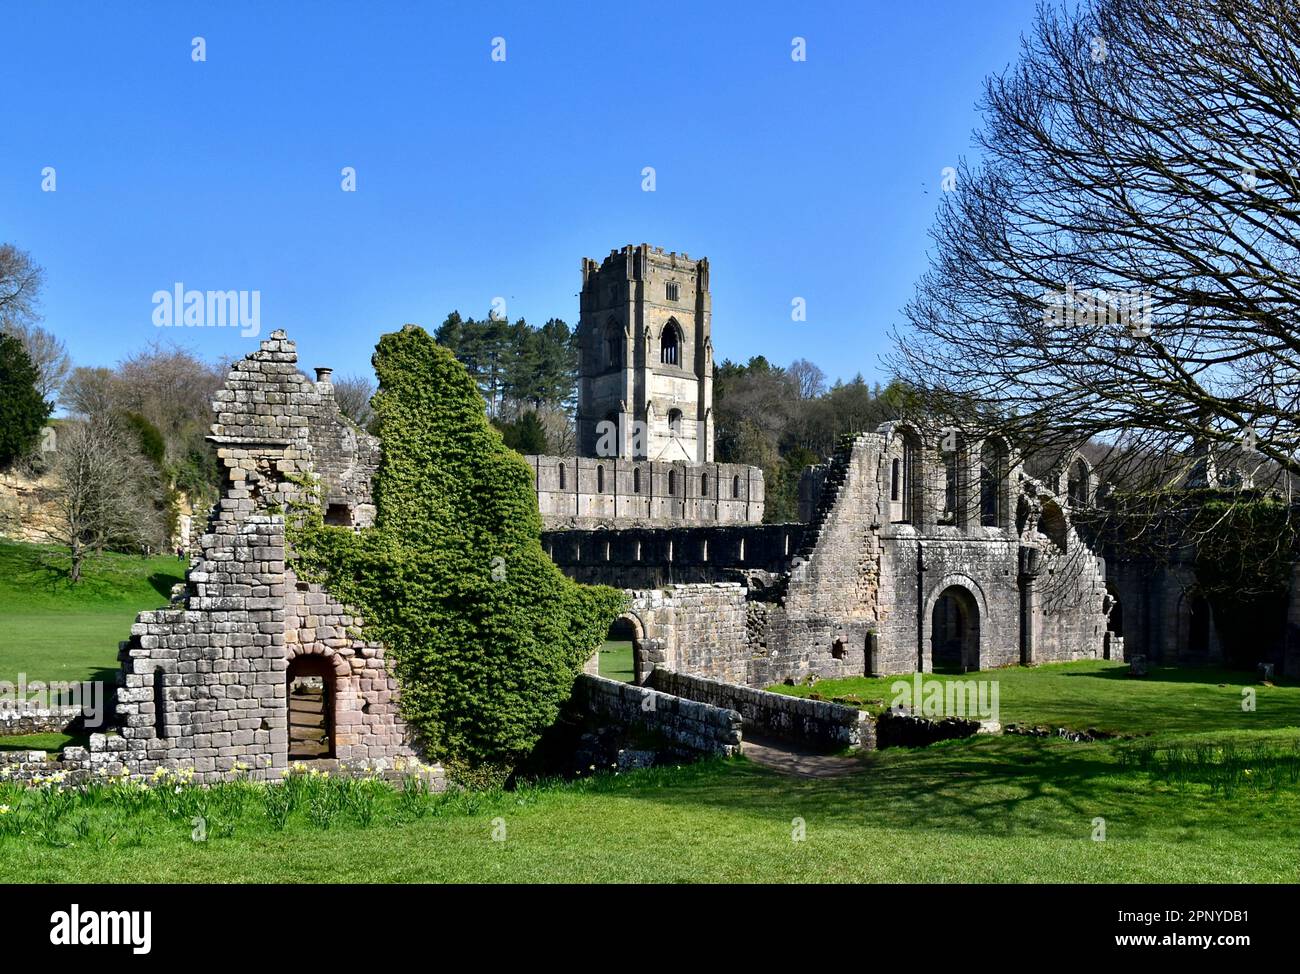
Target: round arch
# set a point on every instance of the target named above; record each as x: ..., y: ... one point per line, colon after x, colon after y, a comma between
x: 957, y: 603
x: 317, y: 692
x: 629, y: 625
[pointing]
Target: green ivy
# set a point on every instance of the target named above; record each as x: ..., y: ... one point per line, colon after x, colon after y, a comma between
x: 1245, y: 545
x: 485, y: 633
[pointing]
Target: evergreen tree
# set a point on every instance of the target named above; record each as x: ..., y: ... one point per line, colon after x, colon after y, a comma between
x: 22, y: 410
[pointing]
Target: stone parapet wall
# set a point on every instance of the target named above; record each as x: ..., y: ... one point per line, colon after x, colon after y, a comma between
x: 692, y: 728
x: 815, y: 723
x: 594, y: 492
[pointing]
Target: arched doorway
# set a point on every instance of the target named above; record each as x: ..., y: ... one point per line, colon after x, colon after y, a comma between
x: 1197, y: 645
x: 955, y: 632
x: 311, y: 695
x: 618, y: 654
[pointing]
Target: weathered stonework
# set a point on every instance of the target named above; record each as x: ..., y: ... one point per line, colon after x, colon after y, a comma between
x: 645, y: 404
x: 829, y: 726
x: 689, y: 728
x: 205, y: 682
x: 594, y: 492
x: 913, y: 556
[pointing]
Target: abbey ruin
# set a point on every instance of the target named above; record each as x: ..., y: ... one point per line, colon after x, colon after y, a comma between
x: 917, y: 549
x: 645, y: 404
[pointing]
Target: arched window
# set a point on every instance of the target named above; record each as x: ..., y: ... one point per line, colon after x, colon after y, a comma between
x: 674, y: 422
x: 704, y: 485
x: 896, y: 480
x: 1077, y: 483
x: 668, y: 345
x: 672, y: 481
x: 600, y: 479
x: 910, y: 477
x: 993, y: 472
x: 562, y: 484
x: 636, y: 480
x: 735, y: 486
x: 949, y: 489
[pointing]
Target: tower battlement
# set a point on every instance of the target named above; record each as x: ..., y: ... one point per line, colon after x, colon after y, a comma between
x: 645, y: 388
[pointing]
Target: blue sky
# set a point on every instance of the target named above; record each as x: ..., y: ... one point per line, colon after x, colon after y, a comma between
x: 477, y: 179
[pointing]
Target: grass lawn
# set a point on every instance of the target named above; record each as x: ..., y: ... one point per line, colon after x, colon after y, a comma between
x: 987, y: 809
x: 1101, y: 695
x: 995, y: 809
x: 616, y: 661
x: 41, y: 742
x: 57, y: 631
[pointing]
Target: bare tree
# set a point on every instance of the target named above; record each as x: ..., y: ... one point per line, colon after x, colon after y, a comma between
x: 353, y: 394
x: 90, y: 390
x: 20, y: 287
x: 170, y: 386
x: 99, y: 498
x: 561, y: 435
x: 809, y: 378
x: 1124, y: 265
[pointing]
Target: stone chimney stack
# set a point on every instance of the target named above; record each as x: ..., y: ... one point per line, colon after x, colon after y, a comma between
x: 323, y: 376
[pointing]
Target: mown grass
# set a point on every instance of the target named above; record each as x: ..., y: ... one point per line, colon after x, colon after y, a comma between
x: 1178, y: 806
x: 616, y: 660
x: 981, y: 810
x: 1100, y: 694
x: 41, y: 742
x: 57, y: 631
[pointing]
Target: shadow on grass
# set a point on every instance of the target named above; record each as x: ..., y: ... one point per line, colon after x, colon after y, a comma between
x: 163, y: 582
x: 994, y: 787
x: 1207, y: 675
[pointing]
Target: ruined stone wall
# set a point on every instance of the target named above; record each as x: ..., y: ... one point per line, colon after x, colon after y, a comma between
x: 204, y: 682
x: 584, y: 492
x: 688, y: 727
x: 658, y: 557
x: 817, y: 723
x: 859, y: 593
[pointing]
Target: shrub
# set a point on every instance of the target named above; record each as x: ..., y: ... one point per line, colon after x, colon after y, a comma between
x: 486, y: 635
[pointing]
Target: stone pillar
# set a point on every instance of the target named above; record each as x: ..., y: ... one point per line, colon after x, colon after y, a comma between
x: 1030, y: 567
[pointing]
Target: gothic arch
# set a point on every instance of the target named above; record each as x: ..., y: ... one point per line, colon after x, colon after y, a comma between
x: 672, y: 344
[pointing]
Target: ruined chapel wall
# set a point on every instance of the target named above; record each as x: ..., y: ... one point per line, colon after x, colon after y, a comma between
x: 204, y: 681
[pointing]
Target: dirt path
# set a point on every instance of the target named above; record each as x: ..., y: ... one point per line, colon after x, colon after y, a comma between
x: 791, y: 759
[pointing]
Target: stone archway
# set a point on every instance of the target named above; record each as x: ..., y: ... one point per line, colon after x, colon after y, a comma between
x: 955, y: 631
x: 316, y: 692
x: 954, y: 625
x: 629, y: 633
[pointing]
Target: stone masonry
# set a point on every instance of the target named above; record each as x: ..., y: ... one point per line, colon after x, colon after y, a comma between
x: 205, y: 682
x: 645, y: 404
x: 920, y: 551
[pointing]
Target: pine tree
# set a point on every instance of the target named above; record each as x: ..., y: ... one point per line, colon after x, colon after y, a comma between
x: 22, y: 410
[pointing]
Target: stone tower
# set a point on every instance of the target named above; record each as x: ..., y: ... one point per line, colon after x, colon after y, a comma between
x: 645, y: 387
